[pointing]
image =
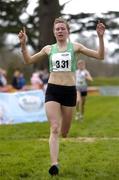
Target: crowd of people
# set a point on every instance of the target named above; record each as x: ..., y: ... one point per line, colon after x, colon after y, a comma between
x: 18, y: 82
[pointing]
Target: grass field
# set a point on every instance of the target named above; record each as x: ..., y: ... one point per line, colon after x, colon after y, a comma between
x: 104, y: 81
x: 91, y: 151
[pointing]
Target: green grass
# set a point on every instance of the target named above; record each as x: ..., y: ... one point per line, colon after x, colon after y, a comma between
x: 24, y: 150
x: 104, y: 81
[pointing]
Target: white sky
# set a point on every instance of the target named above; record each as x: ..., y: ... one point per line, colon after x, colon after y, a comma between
x: 90, y: 6
x: 86, y: 6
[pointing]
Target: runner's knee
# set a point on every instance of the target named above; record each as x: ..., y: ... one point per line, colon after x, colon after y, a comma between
x: 55, y: 129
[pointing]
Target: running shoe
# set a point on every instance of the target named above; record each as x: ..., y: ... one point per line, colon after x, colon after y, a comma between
x: 54, y: 170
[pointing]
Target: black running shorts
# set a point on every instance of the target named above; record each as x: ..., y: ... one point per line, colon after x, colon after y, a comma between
x: 83, y: 93
x: 65, y: 95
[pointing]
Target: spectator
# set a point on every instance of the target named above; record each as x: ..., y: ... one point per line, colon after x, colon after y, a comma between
x: 36, y: 81
x: 3, y: 79
x: 18, y: 81
x: 44, y: 75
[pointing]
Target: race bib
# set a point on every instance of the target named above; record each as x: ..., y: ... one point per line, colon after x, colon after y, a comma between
x: 61, y: 61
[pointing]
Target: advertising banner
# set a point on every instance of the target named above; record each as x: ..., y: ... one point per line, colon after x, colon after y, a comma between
x: 19, y: 107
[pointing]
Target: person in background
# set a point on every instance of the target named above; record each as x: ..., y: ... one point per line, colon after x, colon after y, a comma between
x: 60, y: 96
x: 82, y: 78
x: 44, y: 75
x: 18, y: 80
x: 4, y: 86
x: 3, y: 78
x: 36, y: 81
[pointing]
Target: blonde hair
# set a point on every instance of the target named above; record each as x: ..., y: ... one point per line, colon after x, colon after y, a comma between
x: 81, y: 61
x: 62, y: 20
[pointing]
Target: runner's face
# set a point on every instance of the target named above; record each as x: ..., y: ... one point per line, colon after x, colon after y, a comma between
x: 61, y: 32
x: 81, y: 65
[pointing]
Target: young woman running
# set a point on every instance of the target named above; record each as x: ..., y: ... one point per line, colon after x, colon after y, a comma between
x: 60, y: 98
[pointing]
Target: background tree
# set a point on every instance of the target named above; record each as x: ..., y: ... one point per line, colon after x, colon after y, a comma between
x: 46, y: 12
x: 39, y: 25
x: 86, y: 22
x: 14, y: 15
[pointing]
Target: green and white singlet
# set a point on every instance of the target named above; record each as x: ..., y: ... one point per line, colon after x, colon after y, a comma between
x: 62, y: 61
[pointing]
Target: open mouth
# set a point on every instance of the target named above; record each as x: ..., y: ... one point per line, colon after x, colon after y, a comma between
x: 60, y: 35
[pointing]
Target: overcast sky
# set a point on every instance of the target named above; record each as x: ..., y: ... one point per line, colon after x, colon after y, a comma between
x: 90, y: 6
x: 93, y: 6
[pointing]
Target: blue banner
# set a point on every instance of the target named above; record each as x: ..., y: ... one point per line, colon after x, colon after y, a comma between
x: 19, y: 107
